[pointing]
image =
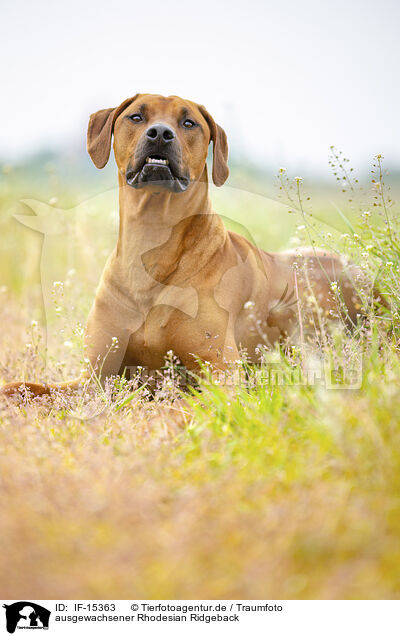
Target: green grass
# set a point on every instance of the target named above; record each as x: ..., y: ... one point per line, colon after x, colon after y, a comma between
x: 252, y: 491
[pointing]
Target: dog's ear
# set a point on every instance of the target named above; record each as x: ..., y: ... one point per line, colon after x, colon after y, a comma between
x: 100, y: 130
x: 220, y: 170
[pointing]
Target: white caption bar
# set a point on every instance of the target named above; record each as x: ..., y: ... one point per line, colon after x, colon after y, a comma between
x: 200, y: 617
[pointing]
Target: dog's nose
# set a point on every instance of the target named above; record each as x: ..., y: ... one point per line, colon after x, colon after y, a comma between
x: 160, y: 132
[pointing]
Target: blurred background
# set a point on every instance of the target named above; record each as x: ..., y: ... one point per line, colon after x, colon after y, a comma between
x: 286, y: 80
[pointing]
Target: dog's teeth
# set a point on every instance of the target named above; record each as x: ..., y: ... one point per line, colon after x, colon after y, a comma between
x: 162, y: 162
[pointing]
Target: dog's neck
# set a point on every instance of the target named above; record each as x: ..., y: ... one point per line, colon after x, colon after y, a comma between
x: 150, y: 219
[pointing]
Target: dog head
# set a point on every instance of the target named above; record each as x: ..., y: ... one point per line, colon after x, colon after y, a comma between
x: 158, y: 142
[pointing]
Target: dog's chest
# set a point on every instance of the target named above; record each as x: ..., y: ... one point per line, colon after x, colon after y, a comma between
x: 146, y: 293
x: 149, y: 344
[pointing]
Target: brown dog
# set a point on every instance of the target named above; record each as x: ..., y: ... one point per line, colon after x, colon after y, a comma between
x: 177, y: 279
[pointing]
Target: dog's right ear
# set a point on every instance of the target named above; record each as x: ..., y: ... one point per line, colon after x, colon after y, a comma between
x: 100, y: 130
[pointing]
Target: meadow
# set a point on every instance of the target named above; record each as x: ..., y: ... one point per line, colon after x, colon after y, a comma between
x: 263, y: 490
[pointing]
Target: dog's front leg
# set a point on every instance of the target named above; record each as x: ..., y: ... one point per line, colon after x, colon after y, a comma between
x: 105, y: 345
x: 106, y: 338
x: 204, y: 341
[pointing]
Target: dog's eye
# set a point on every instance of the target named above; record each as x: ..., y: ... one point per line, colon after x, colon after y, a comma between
x: 188, y: 123
x: 136, y: 117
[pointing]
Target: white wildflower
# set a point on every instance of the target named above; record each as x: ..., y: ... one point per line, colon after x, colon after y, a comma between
x: 249, y: 304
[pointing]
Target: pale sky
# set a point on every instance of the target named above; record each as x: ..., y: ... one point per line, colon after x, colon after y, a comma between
x: 285, y: 79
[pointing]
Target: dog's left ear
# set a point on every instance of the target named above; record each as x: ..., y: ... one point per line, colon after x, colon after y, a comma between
x: 220, y: 170
x: 100, y: 130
